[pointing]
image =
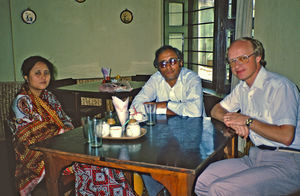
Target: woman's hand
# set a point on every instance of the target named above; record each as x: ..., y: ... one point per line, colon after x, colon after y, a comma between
x: 65, y: 129
x: 61, y: 131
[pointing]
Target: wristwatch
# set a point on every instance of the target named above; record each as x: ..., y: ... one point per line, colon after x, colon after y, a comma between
x: 249, y: 121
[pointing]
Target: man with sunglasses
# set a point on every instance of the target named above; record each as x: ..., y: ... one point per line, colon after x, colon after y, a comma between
x: 269, y: 106
x: 174, y: 89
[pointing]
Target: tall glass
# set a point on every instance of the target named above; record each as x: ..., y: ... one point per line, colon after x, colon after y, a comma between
x: 150, y: 109
x: 86, y: 122
x: 95, y: 132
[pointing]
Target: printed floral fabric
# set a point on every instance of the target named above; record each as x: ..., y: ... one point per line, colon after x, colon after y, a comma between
x: 35, y: 119
x: 100, y: 181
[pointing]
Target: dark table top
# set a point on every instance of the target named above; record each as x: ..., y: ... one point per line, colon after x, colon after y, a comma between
x: 175, y: 143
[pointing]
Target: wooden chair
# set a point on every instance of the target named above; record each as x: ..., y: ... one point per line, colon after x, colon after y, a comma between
x: 210, y: 101
x: 8, y: 92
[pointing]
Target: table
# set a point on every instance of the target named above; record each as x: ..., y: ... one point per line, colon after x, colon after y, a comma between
x: 85, y: 99
x: 174, y: 152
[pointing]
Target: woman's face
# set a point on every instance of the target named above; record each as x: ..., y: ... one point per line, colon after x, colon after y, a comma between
x: 38, y: 78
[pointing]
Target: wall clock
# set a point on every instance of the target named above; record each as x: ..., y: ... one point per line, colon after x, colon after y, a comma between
x: 126, y: 16
x: 28, y: 16
x: 80, y: 1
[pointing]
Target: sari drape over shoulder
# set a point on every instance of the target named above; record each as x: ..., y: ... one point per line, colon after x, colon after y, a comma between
x: 36, y: 119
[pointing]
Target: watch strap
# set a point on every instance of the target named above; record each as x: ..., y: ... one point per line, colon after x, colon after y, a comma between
x: 249, y: 121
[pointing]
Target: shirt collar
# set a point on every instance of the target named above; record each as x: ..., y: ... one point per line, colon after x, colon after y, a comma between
x: 180, y: 77
x: 259, y: 80
x: 180, y: 74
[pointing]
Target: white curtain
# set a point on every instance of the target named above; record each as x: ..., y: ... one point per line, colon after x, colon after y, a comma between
x: 243, y: 28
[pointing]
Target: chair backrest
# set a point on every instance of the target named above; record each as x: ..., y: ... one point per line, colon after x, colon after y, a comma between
x: 209, y: 102
x: 140, y: 78
x: 8, y: 91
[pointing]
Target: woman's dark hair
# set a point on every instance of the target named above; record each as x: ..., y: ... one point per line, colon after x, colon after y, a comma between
x: 31, y: 61
x: 258, y: 49
x: 164, y: 48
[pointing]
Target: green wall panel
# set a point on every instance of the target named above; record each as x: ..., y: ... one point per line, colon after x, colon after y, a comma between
x: 80, y: 38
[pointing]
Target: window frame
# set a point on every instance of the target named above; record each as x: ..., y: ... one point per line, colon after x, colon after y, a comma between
x: 222, y: 24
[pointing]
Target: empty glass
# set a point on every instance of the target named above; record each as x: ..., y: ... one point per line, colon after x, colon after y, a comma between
x: 86, y: 122
x: 150, y: 109
x: 95, y: 132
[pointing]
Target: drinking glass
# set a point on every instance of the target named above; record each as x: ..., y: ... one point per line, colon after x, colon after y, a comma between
x: 86, y: 122
x: 150, y: 109
x: 95, y: 132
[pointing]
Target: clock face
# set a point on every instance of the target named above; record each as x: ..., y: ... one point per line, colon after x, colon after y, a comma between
x: 126, y: 16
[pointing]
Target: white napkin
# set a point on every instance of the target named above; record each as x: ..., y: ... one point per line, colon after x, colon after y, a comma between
x: 121, y: 108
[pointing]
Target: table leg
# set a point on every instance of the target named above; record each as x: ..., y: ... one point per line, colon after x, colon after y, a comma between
x: 54, y: 167
x: 176, y: 183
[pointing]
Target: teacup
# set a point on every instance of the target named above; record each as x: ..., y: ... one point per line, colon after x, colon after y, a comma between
x: 116, y: 131
x: 133, y: 130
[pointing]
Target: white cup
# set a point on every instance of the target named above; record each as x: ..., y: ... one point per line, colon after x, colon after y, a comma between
x: 116, y: 131
x: 133, y: 130
x: 105, y: 129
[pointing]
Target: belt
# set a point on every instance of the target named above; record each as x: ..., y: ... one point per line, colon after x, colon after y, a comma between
x: 264, y: 147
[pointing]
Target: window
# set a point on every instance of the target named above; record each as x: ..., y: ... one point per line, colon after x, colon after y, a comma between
x: 202, y: 30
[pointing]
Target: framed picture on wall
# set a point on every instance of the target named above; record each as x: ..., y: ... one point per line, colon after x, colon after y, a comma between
x: 28, y: 16
x: 126, y: 16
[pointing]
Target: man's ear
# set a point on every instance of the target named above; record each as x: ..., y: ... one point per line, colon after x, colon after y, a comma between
x: 257, y: 59
x: 181, y: 63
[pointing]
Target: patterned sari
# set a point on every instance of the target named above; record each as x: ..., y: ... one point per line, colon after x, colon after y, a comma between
x: 36, y: 119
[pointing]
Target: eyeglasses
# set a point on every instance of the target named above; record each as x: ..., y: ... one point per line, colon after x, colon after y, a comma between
x: 171, y: 61
x: 240, y: 60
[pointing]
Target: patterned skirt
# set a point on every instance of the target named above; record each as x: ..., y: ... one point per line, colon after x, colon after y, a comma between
x: 101, y: 181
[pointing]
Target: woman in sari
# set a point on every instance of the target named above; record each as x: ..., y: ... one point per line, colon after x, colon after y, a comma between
x: 37, y: 115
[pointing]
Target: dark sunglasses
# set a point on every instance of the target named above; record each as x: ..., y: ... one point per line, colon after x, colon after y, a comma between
x: 171, y: 61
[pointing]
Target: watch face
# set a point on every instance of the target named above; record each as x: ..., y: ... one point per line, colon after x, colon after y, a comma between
x: 28, y: 16
x: 126, y: 16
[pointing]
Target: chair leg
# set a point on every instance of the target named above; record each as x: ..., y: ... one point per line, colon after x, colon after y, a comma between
x: 138, y: 184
